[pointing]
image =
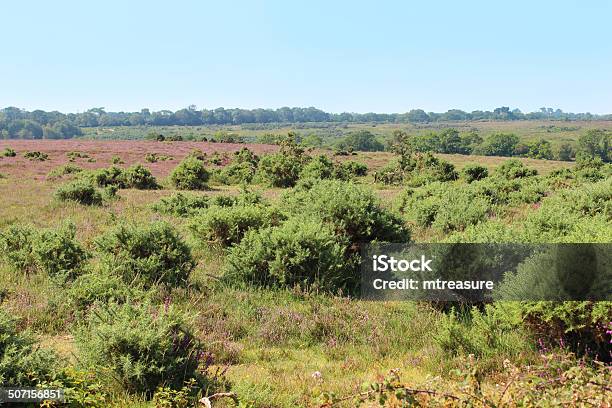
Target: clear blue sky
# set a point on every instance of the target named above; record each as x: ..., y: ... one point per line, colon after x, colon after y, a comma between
x: 381, y: 56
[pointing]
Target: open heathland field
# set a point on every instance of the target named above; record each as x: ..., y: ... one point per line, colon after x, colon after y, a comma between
x: 175, y: 274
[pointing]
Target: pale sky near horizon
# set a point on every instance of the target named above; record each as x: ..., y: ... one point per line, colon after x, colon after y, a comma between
x: 383, y: 56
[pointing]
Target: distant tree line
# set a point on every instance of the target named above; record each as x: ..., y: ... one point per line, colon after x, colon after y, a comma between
x: 594, y: 144
x: 38, y: 124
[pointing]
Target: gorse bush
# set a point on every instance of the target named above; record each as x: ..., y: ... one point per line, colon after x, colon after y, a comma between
x: 8, y: 152
x: 181, y: 205
x: 64, y: 170
x: 436, y: 206
x: 352, y: 168
x: 140, y: 345
x: 149, y: 254
x: 320, y: 167
x: 22, y: 362
x: 427, y: 168
x: 59, y: 254
x: 72, y: 156
x: 227, y: 225
x: 35, y: 155
x: 17, y: 244
x: 155, y: 157
x: 350, y: 209
x: 190, y: 174
x: 139, y: 177
x: 514, y: 168
x: 98, y: 287
x: 80, y: 191
x: 584, y: 326
x: 279, y: 169
x: 235, y: 173
x: 473, y: 172
x: 307, y: 253
x: 54, y: 251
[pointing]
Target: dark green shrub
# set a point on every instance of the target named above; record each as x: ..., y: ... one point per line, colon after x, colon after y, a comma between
x: 427, y: 168
x: 17, y: 246
x: 352, y: 168
x: 140, y: 346
x: 181, y: 205
x: 150, y: 254
x: 139, y: 177
x: 97, y: 287
x: 80, y: 191
x: 54, y: 251
x: 442, y: 207
x: 301, y: 252
x: 8, y: 152
x: 584, y: 327
x: 320, y: 167
x: 59, y: 254
x: 227, y: 225
x: 154, y: 157
x: 111, y: 176
x: 22, y: 362
x: 279, y: 169
x: 245, y: 155
x: 64, y: 170
x: 596, y: 143
x: 514, y: 168
x: 116, y: 160
x: 499, y: 144
x: 350, y: 209
x: 35, y: 155
x: 235, y: 173
x: 190, y: 174
x: 565, y: 152
x: 540, y: 149
x: 72, y: 156
x: 472, y: 172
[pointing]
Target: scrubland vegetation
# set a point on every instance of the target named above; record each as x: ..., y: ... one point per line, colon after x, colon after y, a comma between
x: 232, y: 278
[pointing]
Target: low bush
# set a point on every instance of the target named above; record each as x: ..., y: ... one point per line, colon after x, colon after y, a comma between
x: 139, y: 177
x: 513, y: 169
x: 54, y: 251
x: 8, y: 152
x: 140, y: 346
x: 305, y: 253
x: 155, y: 157
x: 436, y: 206
x: 110, y: 176
x: 320, y: 167
x: 72, y: 156
x: 97, y: 288
x: 63, y: 170
x: 190, y: 174
x: 350, y: 209
x: 117, y: 160
x: 150, y: 254
x: 181, y: 205
x: 235, y: 173
x: 279, y: 169
x: 80, y: 191
x: 22, y: 362
x: 472, y: 172
x: 35, y: 155
x: 59, y: 254
x: 17, y: 245
x: 352, y: 168
x: 228, y: 225
x: 583, y: 327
